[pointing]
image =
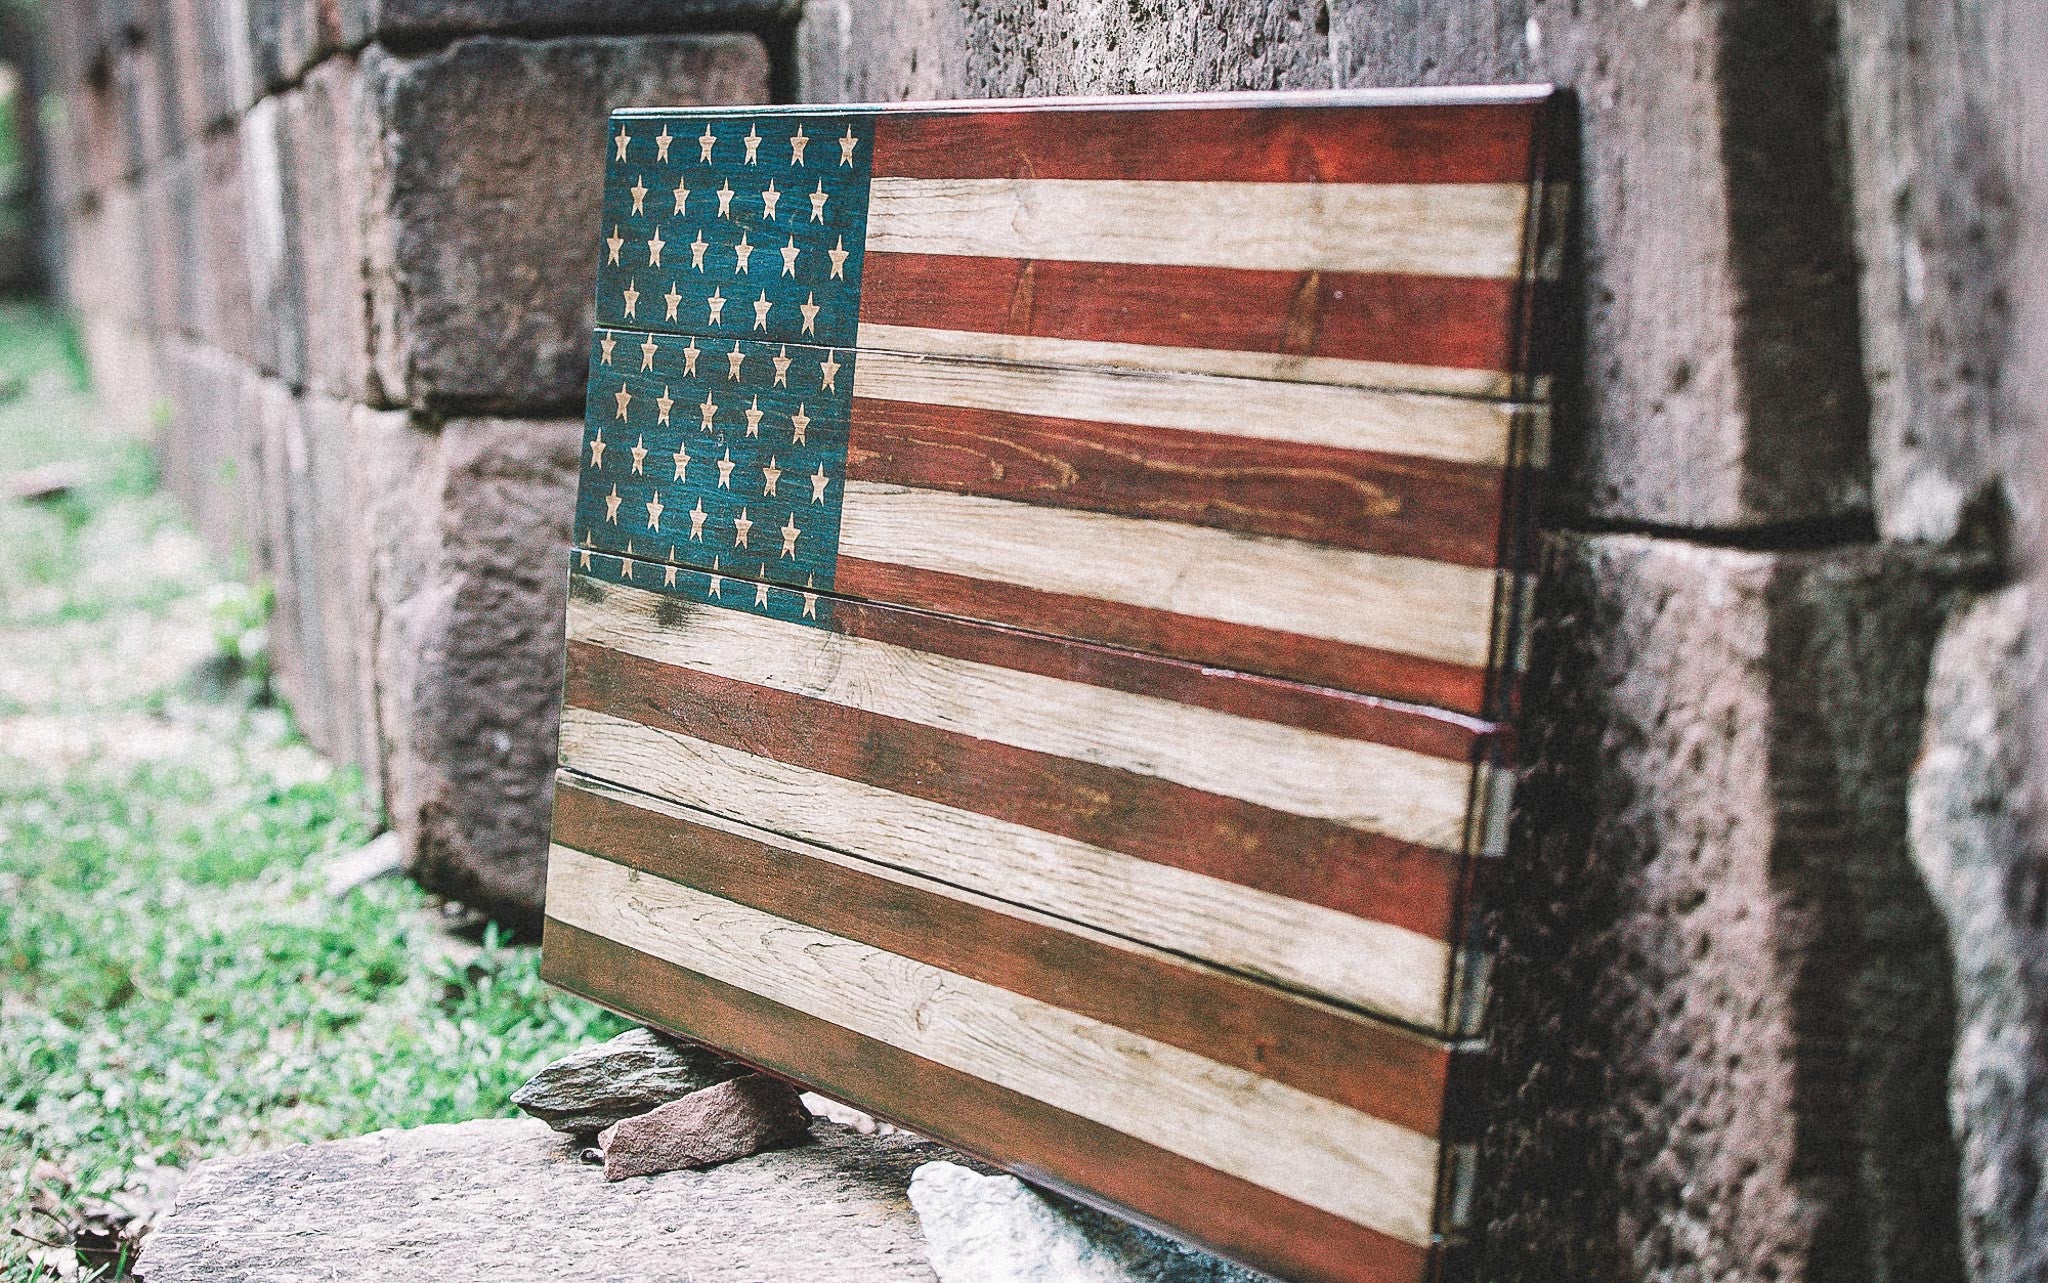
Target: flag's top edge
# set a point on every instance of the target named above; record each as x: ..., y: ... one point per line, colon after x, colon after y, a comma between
x: 1472, y: 96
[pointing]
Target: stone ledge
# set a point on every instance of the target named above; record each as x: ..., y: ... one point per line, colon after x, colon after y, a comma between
x: 508, y: 1200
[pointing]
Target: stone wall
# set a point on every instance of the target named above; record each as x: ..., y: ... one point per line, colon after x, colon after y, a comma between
x: 1773, y: 999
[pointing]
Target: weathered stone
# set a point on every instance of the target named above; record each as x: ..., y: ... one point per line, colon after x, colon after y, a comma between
x: 589, y: 1090
x: 226, y: 307
x: 210, y: 61
x: 270, y: 196
x: 210, y: 446
x: 474, y: 645
x: 329, y: 137
x: 404, y: 20
x: 1722, y: 1018
x: 996, y: 1229
x: 714, y: 1125
x: 486, y: 1202
x: 481, y: 298
x: 288, y: 36
x: 1976, y: 841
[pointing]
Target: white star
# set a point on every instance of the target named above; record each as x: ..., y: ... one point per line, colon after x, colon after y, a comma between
x: 818, y: 199
x: 613, y: 244
x: 810, y: 605
x: 611, y: 506
x: 597, y: 449
x: 754, y: 418
x: 584, y: 553
x: 761, y: 589
x: 663, y: 403
x: 716, y: 580
x: 781, y: 360
x: 789, y: 535
x: 622, y: 139
x: 682, y: 194
x: 674, y: 299
x: 682, y: 459
x: 697, y: 515
x: 725, y: 199
x: 661, y: 142
x: 740, y: 527
x: 632, y: 297
x: 709, y: 409
x: 647, y: 351
x: 753, y: 142
x: 715, y: 304
x: 743, y: 252
x: 733, y: 360
x: 697, y: 248
x: 605, y: 345
x: 846, y: 146
x: 838, y: 256
x: 761, y: 306
x: 705, y: 139
x: 654, y: 512
x: 768, y: 199
x: 623, y: 398
x: 771, y: 476
x: 654, y: 244
x: 818, y: 483
x: 798, y: 422
x: 809, y: 307
x: 690, y: 358
x: 797, y: 143
x: 789, y: 253
x: 639, y: 194
x: 725, y: 471
x: 828, y: 371
x: 668, y: 573
x: 640, y: 457
x: 626, y: 567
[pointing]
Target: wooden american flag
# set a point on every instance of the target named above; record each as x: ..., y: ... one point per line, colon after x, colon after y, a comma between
x: 1045, y: 578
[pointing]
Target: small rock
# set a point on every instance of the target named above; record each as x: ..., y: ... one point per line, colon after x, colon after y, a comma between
x: 635, y: 1072
x: 382, y: 856
x: 715, y: 1125
x: 997, y: 1229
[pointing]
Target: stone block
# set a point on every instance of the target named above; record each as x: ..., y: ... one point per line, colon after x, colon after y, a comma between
x: 209, y: 62
x: 110, y: 277
x: 225, y: 311
x: 507, y: 1199
x: 417, y: 20
x: 471, y: 658
x: 123, y: 367
x: 160, y: 269
x: 640, y: 1070
x: 1722, y: 1015
x: 210, y: 444
x: 288, y: 36
x: 487, y: 196
x: 297, y: 646
x: 327, y: 128
x: 270, y: 200
x: 139, y: 94
x: 712, y: 1125
x: 1979, y: 850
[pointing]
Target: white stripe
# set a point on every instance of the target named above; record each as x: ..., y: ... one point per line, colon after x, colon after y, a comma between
x: 1404, y: 604
x: 1433, y: 229
x: 1368, y: 786
x: 1347, y: 418
x: 1375, y: 965
x: 1031, y: 349
x: 1347, y: 1163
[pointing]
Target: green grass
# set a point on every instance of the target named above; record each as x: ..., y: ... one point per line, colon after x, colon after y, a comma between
x: 175, y: 982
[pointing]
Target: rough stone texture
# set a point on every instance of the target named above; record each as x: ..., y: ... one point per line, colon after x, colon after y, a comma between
x: 590, y: 1089
x: 474, y: 677
x: 412, y: 20
x: 996, y: 1229
x: 329, y: 141
x: 1722, y: 1019
x: 488, y: 1202
x: 226, y: 306
x: 486, y: 297
x: 269, y: 198
x: 1975, y: 842
x: 713, y: 1125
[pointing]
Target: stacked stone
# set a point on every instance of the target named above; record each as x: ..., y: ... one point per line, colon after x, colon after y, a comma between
x: 336, y: 256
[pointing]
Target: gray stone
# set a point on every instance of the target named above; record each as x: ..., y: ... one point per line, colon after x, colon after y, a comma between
x: 487, y: 195
x: 1722, y: 1018
x: 710, y: 1126
x: 270, y: 196
x: 1974, y: 827
x: 472, y: 649
x: 327, y: 125
x: 381, y: 857
x: 508, y: 1201
x: 404, y: 20
x: 226, y: 311
x: 589, y: 1090
x: 996, y: 1229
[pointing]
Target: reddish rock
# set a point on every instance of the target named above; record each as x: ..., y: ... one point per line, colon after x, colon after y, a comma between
x: 715, y: 1125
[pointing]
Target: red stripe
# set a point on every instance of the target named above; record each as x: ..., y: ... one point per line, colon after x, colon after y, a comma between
x: 1470, y: 143
x: 1410, y: 507
x: 1464, y: 323
x: 1363, y: 669
x: 1299, y: 857
x: 1369, y: 1066
x: 1221, y: 1212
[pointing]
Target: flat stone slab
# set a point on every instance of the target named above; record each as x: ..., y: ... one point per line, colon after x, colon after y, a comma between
x: 508, y: 1200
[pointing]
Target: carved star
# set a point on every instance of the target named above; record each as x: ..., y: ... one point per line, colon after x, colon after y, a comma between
x: 725, y: 194
x: 690, y: 358
x: 798, y: 422
x: 682, y: 194
x: 771, y: 476
x: 639, y: 193
x: 639, y: 453
x: 661, y: 142
x: 768, y: 199
x: 818, y: 199
x: 797, y: 143
x: 623, y: 399
x: 781, y: 361
x: 605, y: 346
x: 697, y: 515
x: 828, y: 371
x: 809, y: 308
x: 725, y: 471
x: 754, y: 418
x: 761, y: 306
x: 674, y: 299
x: 708, y: 408
x: 622, y: 138
x: 647, y: 351
x: 697, y: 248
x: 597, y: 449
x: 743, y: 253
x: 838, y: 256
x: 753, y: 142
x: 789, y: 253
x: 611, y: 506
x: 654, y: 512
x: 846, y: 146
x: 632, y: 297
x: 682, y: 458
x: 613, y: 244
x: 740, y: 527
x: 818, y: 483
x: 705, y: 139
x: 789, y: 537
x: 732, y: 362
x: 654, y: 244
x: 715, y: 304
